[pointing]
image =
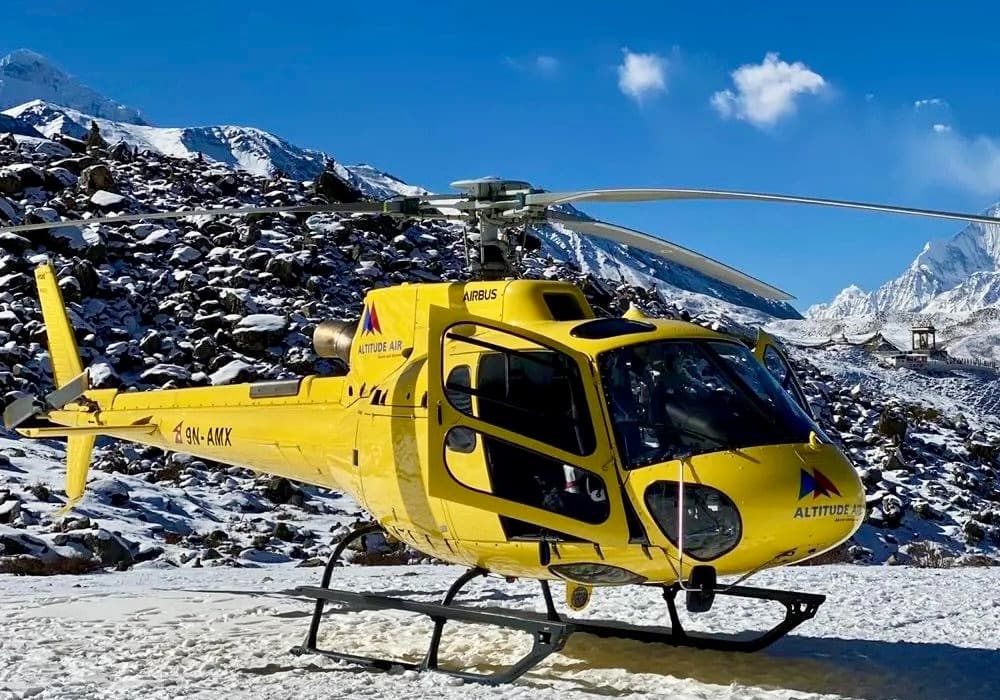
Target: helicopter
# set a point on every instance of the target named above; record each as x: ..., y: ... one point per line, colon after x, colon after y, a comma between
x: 500, y: 425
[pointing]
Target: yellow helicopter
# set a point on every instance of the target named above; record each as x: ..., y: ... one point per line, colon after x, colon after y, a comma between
x: 500, y: 425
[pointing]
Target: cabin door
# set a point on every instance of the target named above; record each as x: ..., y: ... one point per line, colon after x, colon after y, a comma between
x: 516, y: 428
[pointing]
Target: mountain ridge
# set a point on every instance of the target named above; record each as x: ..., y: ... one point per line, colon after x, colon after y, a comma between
x: 264, y: 154
x: 26, y: 75
x: 951, y: 275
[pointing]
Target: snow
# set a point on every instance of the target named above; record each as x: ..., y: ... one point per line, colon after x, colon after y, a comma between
x: 229, y: 372
x: 888, y: 632
x: 26, y: 75
x: 263, y: 323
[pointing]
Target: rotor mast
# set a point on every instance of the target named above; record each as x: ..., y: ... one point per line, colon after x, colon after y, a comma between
x: 490, y: 203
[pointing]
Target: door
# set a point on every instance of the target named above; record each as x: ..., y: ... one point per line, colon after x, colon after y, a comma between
x: 767, y: 351
x: 515, y: 428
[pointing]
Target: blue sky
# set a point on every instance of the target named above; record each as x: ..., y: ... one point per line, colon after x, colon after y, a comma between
x: 581, y: 94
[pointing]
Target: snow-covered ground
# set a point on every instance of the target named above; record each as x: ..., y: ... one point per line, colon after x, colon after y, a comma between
x: 884, y: 632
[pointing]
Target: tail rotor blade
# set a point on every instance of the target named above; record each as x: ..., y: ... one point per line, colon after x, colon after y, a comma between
x: 669, y: 251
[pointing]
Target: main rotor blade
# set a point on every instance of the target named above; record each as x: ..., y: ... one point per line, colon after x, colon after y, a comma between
x: 349, y: 208
x: 660, y: 194
x: 670, y: 251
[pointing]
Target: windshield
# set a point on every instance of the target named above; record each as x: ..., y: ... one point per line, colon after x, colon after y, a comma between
x: 670, y: 399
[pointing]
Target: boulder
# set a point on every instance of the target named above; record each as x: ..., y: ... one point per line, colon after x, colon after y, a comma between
x: 102, y: 199
x: 96, y: 178
x: 893, y: 426
x: 335, y: 189
x: 10, y: 183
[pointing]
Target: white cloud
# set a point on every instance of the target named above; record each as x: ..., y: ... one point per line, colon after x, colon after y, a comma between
x: 950, y: 158
x: 941, y: 128
x: 766, y: 92
x: 642, y: 74
x: 930, y: 102
x: 542, y: 64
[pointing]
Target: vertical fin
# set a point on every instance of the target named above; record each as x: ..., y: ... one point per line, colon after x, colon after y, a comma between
x: 63, y: 351
x: 78, y: 450
x: 66, y: 367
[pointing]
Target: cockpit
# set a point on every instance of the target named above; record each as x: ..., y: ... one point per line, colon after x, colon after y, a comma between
x: 543, y: 413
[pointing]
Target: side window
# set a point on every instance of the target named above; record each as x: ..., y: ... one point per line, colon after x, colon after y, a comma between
x: 776, y: 365
x: 782, y: 372
x: 520, y: 386
x: 534, y: 479
x: 457, y: 389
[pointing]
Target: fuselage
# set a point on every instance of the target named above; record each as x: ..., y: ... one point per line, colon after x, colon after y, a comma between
x: 484, y: 424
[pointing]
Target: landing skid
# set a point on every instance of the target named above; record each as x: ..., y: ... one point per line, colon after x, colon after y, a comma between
x: 549, y: 630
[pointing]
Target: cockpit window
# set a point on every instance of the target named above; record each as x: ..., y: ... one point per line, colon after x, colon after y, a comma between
x: 672, y: 399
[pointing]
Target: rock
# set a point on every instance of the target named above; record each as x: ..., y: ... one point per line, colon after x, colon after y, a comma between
x: 185, y: 254
x: 97, y: 178
x: 10, y: 183
x: 14, y: 542
x: 115, y: 492
x: 892, y: 426
x: 162, y: 373
x: 121, y: 152
x: 94, y: 138
x: 29, y: 175
x: 871, y: 477
x: 973, y: 531
x: 281, y: 491
x: 9, y: 510
x: 895, y: 462
x: 151, y: 342
x: 233, y: 372
x: 13, y: 243
x: 331, y: 186
x: 892, y: 510
x: 108, y: 200
x: 86, y: 274
x: 981, y: 450
x: 81, y: 522
x: 283, y: 532
x: 57, y: 179
x: 73, y: 144
x: 924, y: 510
x: 256, y: 332
x: 75, y: 165
x: 7, y: 211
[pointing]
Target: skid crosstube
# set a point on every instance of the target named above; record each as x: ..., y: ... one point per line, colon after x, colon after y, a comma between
x: 549, y: 630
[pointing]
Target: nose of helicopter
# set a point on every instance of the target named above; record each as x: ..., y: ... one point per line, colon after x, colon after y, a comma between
x: 756, y: 507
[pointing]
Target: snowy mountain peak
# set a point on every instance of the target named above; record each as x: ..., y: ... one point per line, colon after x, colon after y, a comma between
x: 961, y: 273
x: 26, y: 75
x: 851, y: 301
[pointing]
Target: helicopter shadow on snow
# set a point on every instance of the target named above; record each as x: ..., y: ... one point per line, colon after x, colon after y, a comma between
x: 872, y: 669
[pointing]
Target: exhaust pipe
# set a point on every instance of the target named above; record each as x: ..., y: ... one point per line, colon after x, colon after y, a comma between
x: 332, y: 339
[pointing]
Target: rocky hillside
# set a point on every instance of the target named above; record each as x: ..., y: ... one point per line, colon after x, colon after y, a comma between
x: 198, y: 302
